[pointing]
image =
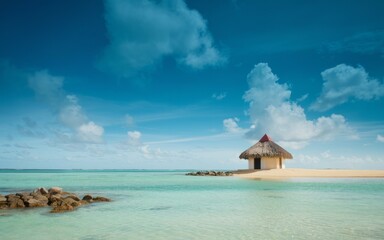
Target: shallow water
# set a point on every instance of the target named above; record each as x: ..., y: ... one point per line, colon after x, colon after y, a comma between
x: 169, y: 205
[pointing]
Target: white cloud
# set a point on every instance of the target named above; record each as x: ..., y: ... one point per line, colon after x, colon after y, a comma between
x: 342, y: 83
x: 231, y: 126
x: 90, y: 132
x: 143, y: 32
x: 49, y: 89
x: 134, y: 138
x: 380, y: 138
x: 271, y: 111
x: 219, y: 96
x: 264, y: 91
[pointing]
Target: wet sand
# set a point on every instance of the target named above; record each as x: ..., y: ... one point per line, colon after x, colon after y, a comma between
x: 309, y: 173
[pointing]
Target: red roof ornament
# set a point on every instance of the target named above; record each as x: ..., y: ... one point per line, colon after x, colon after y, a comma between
x: 265, y: 138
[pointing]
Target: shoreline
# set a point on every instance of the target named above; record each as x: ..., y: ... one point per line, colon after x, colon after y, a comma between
x: 308, y: 173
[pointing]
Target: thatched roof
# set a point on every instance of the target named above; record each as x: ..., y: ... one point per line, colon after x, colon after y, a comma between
x: 265, y: 148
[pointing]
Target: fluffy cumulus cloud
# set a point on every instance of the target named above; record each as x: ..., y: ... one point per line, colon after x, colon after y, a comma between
x: 272, y: 111
x: 134, y: 138
x: 143, y: 32
x: 90, y: 132
x: 342, y: 83
x: 231, y: 125
x: 380, y: 138
x: 69, y: 112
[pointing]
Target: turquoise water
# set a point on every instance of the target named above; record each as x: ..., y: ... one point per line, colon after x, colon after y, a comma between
x: 169, y: 205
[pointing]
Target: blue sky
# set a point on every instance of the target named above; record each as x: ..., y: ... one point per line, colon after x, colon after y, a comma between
x: 175, y: 84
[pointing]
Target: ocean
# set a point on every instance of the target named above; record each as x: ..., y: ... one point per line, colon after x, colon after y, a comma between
x: 170, y: 205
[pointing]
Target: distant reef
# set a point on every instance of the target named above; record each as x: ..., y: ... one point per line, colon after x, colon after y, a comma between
x: 210, y: 173
x: 55, y: 197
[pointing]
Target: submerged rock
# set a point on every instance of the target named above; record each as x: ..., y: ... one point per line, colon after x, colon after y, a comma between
x: 62, y: 206
x: 101, y: 199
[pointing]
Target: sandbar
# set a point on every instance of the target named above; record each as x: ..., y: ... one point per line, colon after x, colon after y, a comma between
x: 308, y: 173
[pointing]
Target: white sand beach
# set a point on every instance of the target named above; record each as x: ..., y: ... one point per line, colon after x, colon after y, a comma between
x: 309, y: 173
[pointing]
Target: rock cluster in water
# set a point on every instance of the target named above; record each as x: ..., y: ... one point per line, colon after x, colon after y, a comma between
x: 210, y: 173
x: 55, y: 197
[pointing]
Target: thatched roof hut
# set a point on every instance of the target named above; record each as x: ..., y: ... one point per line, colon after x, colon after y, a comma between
x: 265, y: 154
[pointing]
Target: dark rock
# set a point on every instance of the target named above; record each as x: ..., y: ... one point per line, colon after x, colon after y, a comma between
x: 11, y: 196
x: 15, y: 203
x: 209, y: 173
x: 74, y: 197
x: 40, y: 198
x: 59, y: 200
x: 54, y: 198
x: 54, y: 204
x: 41, y: 190
x: 62, y: 206
x: 88, y: 198
x: 71, y: 202
x: 35, y: 203
x: 3, y: 202
x: 55, y: 190
x: 3, y: 205
x: 101, y: 199
x: 22, y: 194
x: 26, y: 197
